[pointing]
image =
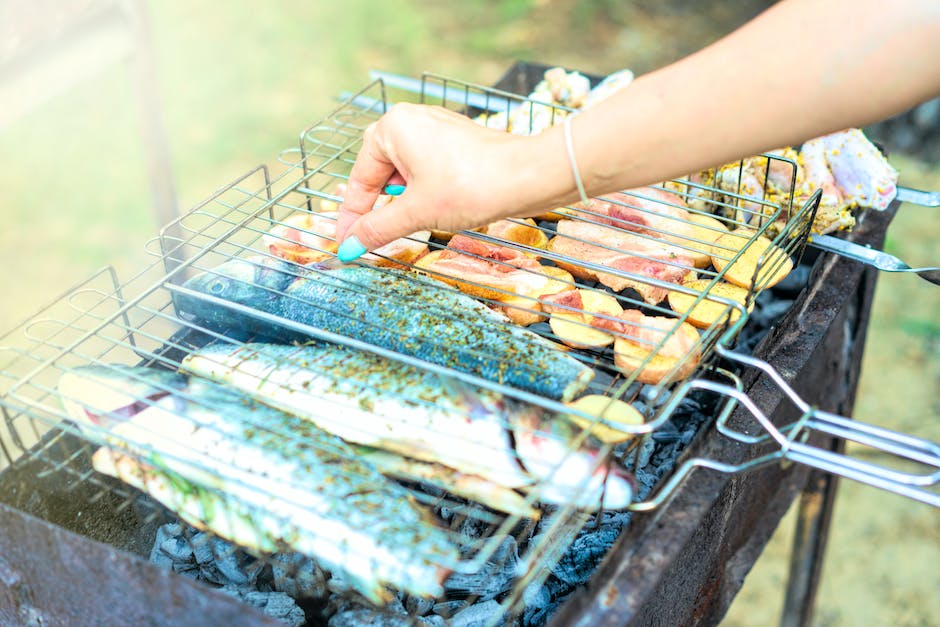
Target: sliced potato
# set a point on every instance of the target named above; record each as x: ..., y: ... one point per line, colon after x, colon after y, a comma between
x: 706, y: 231
x: 775, y: 263
x: 402, y: 252
x: 442, y: 235
x: 562, y: 280
x: 524, y: 232
x: 612, y: 411
x: 714, y: 226
x: 574, y: 328
x: 523, y: 310
x: 557, y: 214
x: 680, y: 355
x: 472, y: 288
x: 708, y: 312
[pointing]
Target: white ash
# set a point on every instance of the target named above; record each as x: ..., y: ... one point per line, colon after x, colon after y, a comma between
x: 477, y: 615
x: 492, y: 580
x: 205, y: 558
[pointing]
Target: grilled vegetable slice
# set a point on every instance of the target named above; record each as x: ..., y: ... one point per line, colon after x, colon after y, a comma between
x: 525, y: 310
x: 709, y: 312
x: 774, y: 262
x: 657, y: 348
x: 522, y: 231
x: 583, y: 329
x: 612, y: 411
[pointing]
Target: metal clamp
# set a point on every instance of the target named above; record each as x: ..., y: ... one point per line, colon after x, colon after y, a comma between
x: 899, y: 446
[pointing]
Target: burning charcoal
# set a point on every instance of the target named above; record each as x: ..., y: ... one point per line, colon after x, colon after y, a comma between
x: 418, y: 606
x: 445, y: 513
x: 536, y: 599
x: 274, y: 604
x: 337, y: 584
x: 354, y: 615
x: 537, y: 616
x: 298, y: 576
x: 432, y: 621
x: 477, y: 615
x: 473, y: 528
x: 644, y: 453
x: 202, y: 549
x: 793, y: 284
x: 494, y: 578
x: 220, y: 563
x: 235, y: 566
x: 169, y: 547
x: 579, y: 560
x: 654, y: 396
x: 448, y: 608
x: 666, y: 434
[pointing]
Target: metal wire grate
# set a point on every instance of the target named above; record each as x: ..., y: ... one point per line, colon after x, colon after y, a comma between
x: 105, y: 321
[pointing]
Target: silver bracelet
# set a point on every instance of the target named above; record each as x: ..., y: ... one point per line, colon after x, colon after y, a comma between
x: 569, y: 145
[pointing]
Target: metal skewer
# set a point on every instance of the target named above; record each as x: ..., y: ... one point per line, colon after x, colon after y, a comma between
x: 875, y: 258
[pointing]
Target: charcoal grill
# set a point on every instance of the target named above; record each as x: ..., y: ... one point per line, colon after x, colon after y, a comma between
x: 669, y: 566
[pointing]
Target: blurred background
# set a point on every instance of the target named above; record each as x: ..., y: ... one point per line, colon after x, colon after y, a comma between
x: 98, y: 99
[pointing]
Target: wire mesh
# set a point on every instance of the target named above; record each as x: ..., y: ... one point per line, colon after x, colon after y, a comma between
x: 280, y: 224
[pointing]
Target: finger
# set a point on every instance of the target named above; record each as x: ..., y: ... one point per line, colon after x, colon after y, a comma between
x: 377, y: 228
x: 370, y: 172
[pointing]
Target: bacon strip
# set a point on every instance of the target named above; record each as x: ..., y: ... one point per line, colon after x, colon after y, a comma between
x: 620, y: 249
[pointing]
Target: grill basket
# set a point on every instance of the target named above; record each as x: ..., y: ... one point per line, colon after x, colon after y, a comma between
x: 108, y: 321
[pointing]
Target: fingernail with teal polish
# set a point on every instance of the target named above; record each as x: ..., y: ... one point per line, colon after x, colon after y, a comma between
x: 350, y: 249
x: 394, y: 190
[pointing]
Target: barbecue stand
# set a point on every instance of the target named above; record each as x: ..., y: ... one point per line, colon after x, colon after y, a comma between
x: 680, y: 564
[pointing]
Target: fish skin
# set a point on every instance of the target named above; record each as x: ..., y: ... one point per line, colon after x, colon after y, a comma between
x: 372, y: 401
x: 264, y: 478
x: 395, y: 310
x: 258, y: 282
x: 471, y: 487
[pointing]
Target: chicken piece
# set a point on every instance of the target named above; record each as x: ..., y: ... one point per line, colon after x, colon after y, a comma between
x: 609, y: 86
x: 816, y: 173
x: 861, y: 172
x: 833, y: 213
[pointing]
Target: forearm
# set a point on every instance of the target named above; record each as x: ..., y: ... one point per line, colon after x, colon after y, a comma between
x: 800, y: 70
x: 785, y: 77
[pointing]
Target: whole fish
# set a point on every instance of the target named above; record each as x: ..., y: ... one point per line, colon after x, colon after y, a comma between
x: 373, y: 401
x: 259, y: 477
x: 472, y: 487
x: 396, y: 310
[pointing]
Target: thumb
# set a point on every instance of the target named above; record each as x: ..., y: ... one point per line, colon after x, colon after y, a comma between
x: 380, y: 226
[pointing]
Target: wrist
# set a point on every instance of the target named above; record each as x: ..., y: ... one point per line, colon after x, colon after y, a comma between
x: 544, y: 179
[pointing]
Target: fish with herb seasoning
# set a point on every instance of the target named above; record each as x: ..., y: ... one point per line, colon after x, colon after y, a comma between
x: 259, y: 477
x: 472, y: 487
x: 373, y: 401
x: 396, y: 310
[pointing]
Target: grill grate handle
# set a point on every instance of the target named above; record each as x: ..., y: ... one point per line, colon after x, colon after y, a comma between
x: 792, y: 441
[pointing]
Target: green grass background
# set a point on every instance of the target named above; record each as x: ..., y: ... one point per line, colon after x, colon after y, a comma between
x: 239, y: 80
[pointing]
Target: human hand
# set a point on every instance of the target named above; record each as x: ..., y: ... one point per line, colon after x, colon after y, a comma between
x: 457, y: 175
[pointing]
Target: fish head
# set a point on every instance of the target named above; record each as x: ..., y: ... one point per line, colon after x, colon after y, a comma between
x: 255, y: 281
x: 569, y: 468
x: 107, y: 396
